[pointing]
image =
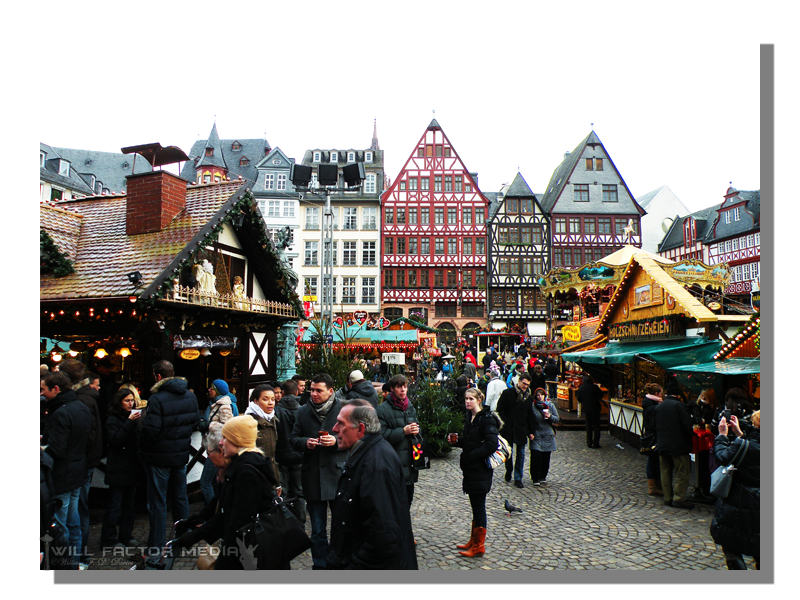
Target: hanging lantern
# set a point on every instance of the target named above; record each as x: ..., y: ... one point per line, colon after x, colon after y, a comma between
x: 205, y: 352
x: 124, y: 352
x: 100, y: 353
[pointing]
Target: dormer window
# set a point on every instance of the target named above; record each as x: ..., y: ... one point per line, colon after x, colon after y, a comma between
x: 736, y: 214
x: 209, y: 151
x: 334, y: 156
x: 244, y: 161
x: 63, y: 168
x: 42, y: 157
x: 351, y: 157
x: 688, y: 232
x: 92, y: 180
x: 727, y: 216
x: 368, y: 157
x: 236, y: 147
x: 317, y: 156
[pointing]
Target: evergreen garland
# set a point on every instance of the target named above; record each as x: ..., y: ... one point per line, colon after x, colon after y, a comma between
x: 51, y: 260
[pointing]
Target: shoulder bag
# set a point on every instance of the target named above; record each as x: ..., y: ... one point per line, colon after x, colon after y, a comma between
x: 647, y: 443
x: 276, y: 535
x: 722, y: 477
x: 500, y: 455
x: 420, y: 453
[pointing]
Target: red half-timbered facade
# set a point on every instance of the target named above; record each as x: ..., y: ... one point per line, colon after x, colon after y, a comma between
x: 433, y: 235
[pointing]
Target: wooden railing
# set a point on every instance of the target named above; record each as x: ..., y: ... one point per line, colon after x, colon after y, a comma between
x: 189, y: 295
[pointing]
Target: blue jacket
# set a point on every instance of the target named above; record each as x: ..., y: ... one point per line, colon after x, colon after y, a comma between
x: 172, y: 414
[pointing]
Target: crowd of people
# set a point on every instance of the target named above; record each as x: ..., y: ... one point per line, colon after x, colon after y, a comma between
x: 346, y: 454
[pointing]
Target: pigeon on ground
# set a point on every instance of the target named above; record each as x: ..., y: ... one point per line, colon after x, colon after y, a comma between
x: 511, y: 508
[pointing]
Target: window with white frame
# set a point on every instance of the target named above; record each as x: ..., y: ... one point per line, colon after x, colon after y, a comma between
x: 370, y: 218
x: 63, y: 168
x: 282, y: 181
x: 288, y: 208
x: 334, y: 156
x: 367, y: 290
x: 737, y: 215
x: 312, y: 217
x: 351, y: 157
x: 314, y: 181
x: 368, y: 157
x: 727, y: 216
x: 269, y: 181
x: 727, y: 245
x: 335, y: 216
x: 317, y: 156
x: 368, y: 254
x: 335, y: 253
x: 273, y: 208
x: 750, y: 241
x: 348, y: 290
x: 349, y: 254
x: 41, y: 159
x: 310, y: 286
x: 754, y: 270
x: 369, y: 183
x: 351, y: 218
x: 735, y: 244
x: 311, y: 258
x: 758, y: 239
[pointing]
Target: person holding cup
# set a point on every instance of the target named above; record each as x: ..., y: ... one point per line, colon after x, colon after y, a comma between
x: 477, y: 443
x: 399, y: 427
x: 545, y: 415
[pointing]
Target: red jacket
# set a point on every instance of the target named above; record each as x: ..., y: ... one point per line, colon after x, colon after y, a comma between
x: 471, y: 359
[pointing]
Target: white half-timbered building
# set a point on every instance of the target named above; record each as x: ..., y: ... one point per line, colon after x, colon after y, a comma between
x: 434, y: 239
x: 518, y: 231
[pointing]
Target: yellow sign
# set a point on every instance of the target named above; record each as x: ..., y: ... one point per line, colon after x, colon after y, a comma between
x: 309, y: 298
x: 571, y: 333
x: 189, y: 353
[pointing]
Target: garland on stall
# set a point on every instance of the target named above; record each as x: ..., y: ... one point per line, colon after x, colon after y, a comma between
x: 51, y: 260
x: 744, y: 333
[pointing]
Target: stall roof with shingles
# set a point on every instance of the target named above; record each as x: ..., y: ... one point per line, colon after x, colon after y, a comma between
x: 104, y: 253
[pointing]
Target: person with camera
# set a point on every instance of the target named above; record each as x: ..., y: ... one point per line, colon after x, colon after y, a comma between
x: 737, y: 519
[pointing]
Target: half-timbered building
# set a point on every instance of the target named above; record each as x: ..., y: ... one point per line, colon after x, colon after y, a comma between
x: 434, y: 239
x: 685, y: 237
x: 592, y: 212
x: 517, y: 234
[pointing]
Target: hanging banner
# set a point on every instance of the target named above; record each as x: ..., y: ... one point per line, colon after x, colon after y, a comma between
x: 308, y: 308
x: 571, y: 333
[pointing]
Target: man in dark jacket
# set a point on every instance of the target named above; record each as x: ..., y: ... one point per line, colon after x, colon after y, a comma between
x: 538, y: 379
x: 551, y: 372
x: 515, y: 409
x: 589, y: 397
x: 289, y: 460
x: 66, y: 438
x: 674, y: 445
x: 370, y: 519
x: 323, y: 460
x: 488, y: 358
x: 165, y: 441
x: 303, y: 393
x: 361, y: 388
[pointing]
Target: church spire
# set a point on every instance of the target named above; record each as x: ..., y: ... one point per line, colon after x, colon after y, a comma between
x: 374, y: 145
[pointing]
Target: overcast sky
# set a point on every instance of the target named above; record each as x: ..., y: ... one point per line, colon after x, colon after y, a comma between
x: 676, y: 109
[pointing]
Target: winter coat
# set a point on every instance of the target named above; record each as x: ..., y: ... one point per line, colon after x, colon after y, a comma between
x: 286, y: 413
x: 702, y: 413
x: 91, y: 397
x: 242, y: 495
x: 493, y: 391
x: 267, y: 439
x: 649, y: 415
x: 123, y: 448
x: 370, y: 520
x: 551, y: 369
x: 544, y: 434
x: 477, y: 443
x: 471, y: 359
x: 488, y: 358
x: 53, y: 538
x: 365, y: 390
x: 322, y: 465
x: 219, y: 411
x: 736, y: 525
x: 67, y: 437
x: 172, y: 415
x: 470, y: 372
x: 461, y: 389
x: 392, y: 421
x: 537, y: 381
x: 589, y: 397
x: 517, y: 416
x: 673, y: 427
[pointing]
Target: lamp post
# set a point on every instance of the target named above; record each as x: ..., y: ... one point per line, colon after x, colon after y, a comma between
x: 327, y: 179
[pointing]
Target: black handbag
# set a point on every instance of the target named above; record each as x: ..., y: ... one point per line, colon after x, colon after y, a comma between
x: 275, y: 535
x: 647, y: 443
x: 420, y: 453
x: 722, y: 477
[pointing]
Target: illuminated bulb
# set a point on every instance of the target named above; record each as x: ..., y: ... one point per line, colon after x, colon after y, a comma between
x: 100, y: 353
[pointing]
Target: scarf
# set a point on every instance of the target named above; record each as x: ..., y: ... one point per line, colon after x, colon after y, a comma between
x: 397, y: 403
x: 324, y: 408
x: 255, y: 409
x: 653, y: 398
x: 522, y: 396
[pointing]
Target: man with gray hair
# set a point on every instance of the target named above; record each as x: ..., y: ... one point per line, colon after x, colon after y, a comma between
x: 370, y: 520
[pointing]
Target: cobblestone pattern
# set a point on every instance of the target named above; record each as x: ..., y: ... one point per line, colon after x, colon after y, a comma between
x: 593, y: 513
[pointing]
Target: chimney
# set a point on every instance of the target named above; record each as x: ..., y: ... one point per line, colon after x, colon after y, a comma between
x: 153, y: 200
x: 566, y: 154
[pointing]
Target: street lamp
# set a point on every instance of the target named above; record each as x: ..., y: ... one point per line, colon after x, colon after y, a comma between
x: 327, y: 179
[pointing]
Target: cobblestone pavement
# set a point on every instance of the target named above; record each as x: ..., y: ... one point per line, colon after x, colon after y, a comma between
x: 594, y: 513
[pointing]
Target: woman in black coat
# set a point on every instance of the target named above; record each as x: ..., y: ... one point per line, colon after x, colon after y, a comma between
x: 246, y: 491
x: 122, y: 426
x: 477, y: 443
x: 737, y: 519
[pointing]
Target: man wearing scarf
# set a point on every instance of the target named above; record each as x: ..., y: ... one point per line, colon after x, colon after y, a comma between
x: 323, y: 460
x: 515, y: 408
x: 399, y: 427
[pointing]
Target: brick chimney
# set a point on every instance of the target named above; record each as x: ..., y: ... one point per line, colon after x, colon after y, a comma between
x: 153, y: 200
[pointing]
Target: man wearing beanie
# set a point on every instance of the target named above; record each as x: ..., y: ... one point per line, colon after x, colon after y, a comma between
x: 358, y: 387
x: 323, y: 460
x: 674, y: 445
x: 246, y: 491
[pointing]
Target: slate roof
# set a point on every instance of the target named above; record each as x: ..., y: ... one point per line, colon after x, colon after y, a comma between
x: 49, y: 172
x: 495, y: 202
x: 560, y: 176
x: 645, y: 200
x: 704, y: 222
x: 519, y: 188
x: 746, y: 224
x: 110, y: 168
x: 253, y: 149
x: 103, y: 253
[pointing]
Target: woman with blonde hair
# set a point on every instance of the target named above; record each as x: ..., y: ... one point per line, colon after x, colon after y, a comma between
x: 246, y: 491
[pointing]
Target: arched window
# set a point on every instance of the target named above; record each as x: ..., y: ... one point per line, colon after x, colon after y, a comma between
x: 447, y: 333
x: 470, y: 328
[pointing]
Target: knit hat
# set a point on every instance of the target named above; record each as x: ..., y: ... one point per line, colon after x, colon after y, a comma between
x: 221, y: 387
x: 673, y: 389
x: 241, y: 431
x: 356, y: 376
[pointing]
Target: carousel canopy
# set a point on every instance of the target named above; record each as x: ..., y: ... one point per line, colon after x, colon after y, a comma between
x: 666, y: 353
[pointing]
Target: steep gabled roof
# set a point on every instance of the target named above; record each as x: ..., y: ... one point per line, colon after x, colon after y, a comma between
x: 63, y: 227
x: 110, y: 168
x: 704, y: 220
x: 252, y: 149
x: 560, y: 176
x: 49, y: 172
x: 519, y: 188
